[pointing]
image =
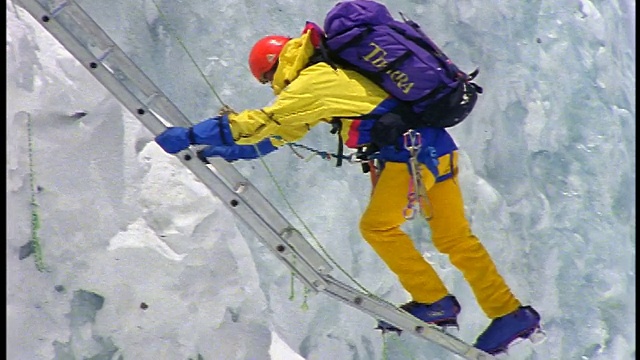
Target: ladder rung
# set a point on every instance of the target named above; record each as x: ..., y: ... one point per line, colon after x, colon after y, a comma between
x: 105, y: 54
x: 59, y: 8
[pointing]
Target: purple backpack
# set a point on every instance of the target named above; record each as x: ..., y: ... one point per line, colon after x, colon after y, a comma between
x: 362, y: 35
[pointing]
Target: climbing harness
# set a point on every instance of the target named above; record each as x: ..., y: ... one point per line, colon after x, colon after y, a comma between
x: 374, y: 171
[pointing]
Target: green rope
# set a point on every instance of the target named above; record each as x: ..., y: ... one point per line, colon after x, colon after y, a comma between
x: 385, y: 348
x: 280, y: 190
x: 184, y: 47
x: 35, y: 218
x: 305, y: 294
x: 395, y: 338
x: 306, y: 290
x: 304, y: 225
x: 292, y: 293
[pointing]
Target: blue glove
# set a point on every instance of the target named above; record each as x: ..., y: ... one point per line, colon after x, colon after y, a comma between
x: 236, y: 152
x: 174, y: 139
x: 214, y: 131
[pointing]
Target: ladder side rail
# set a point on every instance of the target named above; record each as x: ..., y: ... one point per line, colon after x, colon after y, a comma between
x: 79, y: 23
x: 270, y: 237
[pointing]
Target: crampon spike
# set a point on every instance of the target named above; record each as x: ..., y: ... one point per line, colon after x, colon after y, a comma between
x: 538, y: 336
x: 385, y: 331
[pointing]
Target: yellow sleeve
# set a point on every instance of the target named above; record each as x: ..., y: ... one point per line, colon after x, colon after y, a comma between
x: 319, y: 93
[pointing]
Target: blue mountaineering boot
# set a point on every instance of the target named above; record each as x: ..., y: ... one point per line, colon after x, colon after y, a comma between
x: 524, y: 323
x: 443, y: 312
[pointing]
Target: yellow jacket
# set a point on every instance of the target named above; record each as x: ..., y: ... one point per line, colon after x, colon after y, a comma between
x: 307, y: 96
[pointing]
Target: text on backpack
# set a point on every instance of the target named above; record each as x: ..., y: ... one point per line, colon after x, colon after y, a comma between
x: 376, y: 58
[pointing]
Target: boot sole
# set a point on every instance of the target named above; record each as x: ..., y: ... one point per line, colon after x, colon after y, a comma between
x: 536, y: 335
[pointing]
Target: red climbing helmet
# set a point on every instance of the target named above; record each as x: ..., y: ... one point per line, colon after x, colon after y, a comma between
x: 264, y: 55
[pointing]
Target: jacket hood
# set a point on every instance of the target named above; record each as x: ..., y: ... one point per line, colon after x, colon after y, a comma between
x: 294, y: 58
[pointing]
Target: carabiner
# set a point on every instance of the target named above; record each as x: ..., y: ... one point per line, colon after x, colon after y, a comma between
x: 412, y: 140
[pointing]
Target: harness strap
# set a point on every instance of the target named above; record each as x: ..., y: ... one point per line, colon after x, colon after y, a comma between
x: 374, y: 172
x: 336, y: 127
x: 323, y: 154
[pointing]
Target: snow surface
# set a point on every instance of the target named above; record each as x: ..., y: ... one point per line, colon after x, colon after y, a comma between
x: 142, y: 262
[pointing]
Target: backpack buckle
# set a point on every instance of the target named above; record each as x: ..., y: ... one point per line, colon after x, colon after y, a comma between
x: 472, y: 75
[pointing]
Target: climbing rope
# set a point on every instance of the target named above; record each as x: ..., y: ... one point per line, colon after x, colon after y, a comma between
x: 304, y: 225
x: 36, y: 247
x: 184, y: 47
x: 323, y: 154
x: 225, y: 109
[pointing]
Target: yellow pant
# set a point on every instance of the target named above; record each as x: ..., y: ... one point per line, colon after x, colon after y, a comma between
x: 451, y: 235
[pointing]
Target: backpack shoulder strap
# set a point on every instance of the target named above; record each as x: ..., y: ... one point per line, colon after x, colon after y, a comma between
x: 321, y: 54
